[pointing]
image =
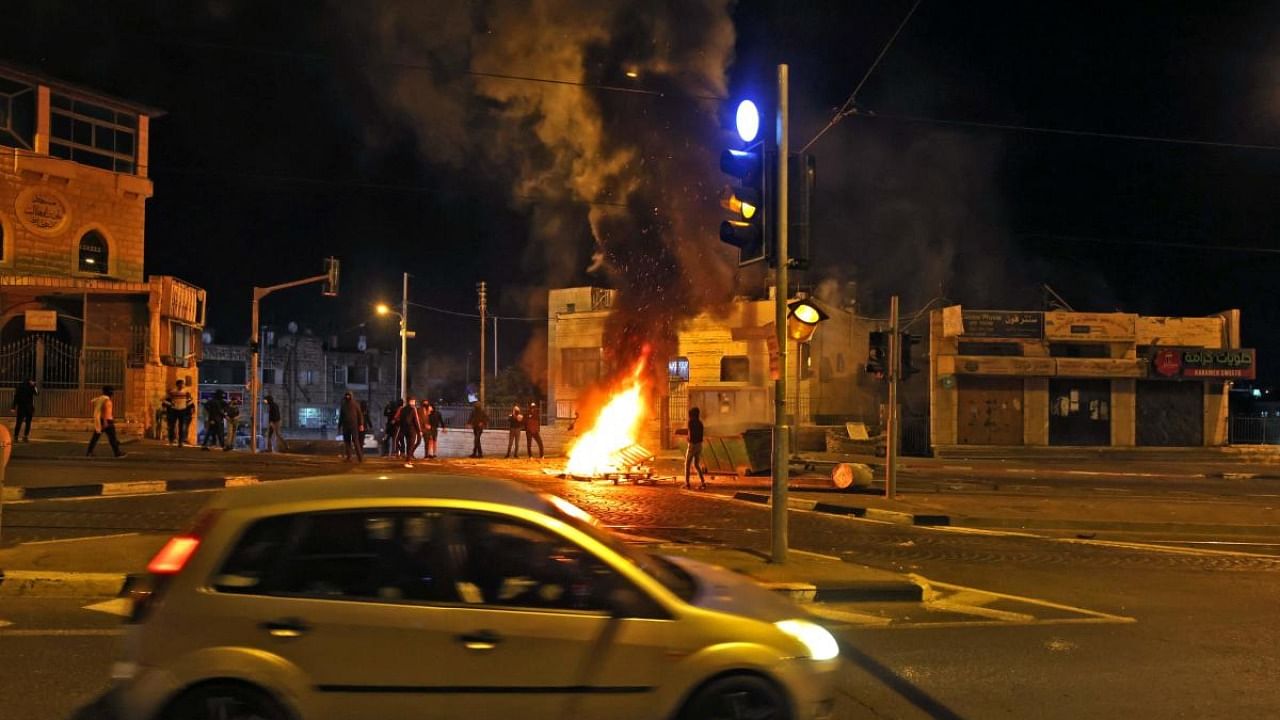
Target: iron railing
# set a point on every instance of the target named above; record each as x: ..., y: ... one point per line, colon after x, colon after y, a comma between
x: 1254, y: 430
x: 65, y: 402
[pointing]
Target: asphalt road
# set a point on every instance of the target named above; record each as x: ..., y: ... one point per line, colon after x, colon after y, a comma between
x: 1019, y: 626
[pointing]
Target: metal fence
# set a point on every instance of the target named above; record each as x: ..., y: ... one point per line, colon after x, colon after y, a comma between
x: 1254, y: 431
x: 65, y: 402
x: 456, y: 416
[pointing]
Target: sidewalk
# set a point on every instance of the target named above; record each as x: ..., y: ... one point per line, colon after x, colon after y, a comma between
x: 97, y: 567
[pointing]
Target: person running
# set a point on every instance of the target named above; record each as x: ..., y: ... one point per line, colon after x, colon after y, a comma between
x: 179, y: 414
x: 24, y: 406
x: 533, y: 430
x: 478, y: 421
x: 693, y: 455
x: 351, y: 420
x: 273, y: 426
x: 215, y: 412
x: 515, y: 422
x: 104, y: 422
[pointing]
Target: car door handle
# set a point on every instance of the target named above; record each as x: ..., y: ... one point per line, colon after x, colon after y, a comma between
x: 286, y: 627
x: 480, y: 640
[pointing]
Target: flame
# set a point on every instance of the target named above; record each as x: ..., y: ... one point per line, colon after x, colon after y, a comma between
x: 616, y: 427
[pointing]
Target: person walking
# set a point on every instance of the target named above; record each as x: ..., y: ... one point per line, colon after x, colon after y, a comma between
x: 215, y: 413
x: 515, y: 421
x: 24, y: 406
x: 533, y: 430
x: 351, y: 420
x: 435, y: 423
x: 366, y: 426
x: 181, y: 407
x: 273, y: 426
x: 478, y: 421
x: 104, y: 422
x: 233, y: 423
x: 410, y: 428
x: 693, y: 454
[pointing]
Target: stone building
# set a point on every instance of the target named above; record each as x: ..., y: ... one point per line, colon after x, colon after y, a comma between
x: 76, y: 309
x: 723, y: 365
x: 307, y: 376
x: 1022, y: 378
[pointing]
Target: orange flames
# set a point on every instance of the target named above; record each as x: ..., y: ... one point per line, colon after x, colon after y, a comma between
x: 616, y: 427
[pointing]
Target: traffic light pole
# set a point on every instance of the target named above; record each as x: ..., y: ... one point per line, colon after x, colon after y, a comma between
x: 484, y: 306
x: 893, y: 422
x: 781, y: 429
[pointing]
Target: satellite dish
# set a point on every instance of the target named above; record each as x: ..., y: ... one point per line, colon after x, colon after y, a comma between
x: 293, y: 328
x: 206, y: 337
x: 362, y: 344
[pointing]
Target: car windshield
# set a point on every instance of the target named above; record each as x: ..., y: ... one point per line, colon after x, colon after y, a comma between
x: 664, y: 571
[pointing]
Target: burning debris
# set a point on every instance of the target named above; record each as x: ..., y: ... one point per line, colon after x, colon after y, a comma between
x: 610, y: 449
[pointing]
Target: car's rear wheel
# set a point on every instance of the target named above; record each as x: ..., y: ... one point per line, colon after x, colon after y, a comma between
x: 225, y: 701
x: 737, y: 697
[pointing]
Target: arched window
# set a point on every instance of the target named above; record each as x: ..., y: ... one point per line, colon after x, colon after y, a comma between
x: 93, y: 253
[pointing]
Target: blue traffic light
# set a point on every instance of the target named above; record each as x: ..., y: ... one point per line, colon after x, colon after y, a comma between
x: 747, y: 121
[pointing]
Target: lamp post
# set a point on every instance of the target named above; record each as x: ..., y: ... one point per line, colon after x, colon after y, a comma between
x: 385, y: 309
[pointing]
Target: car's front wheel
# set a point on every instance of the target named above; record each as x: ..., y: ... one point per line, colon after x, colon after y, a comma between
x: 225, y: 701
x: 737, y: 697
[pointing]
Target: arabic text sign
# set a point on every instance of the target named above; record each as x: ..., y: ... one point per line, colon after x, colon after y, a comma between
x: 1080, y: 327
x: 1003, y: 324
x: 1236, y: 364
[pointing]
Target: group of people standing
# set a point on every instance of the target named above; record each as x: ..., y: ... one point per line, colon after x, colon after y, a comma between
x: 221, y: 420
x: 409, y: 424
x: 531, y: 423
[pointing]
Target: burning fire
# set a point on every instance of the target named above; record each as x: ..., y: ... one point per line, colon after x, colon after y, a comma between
x: 616, y: 427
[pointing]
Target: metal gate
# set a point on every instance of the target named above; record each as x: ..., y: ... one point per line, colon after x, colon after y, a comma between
x: 68, y: 376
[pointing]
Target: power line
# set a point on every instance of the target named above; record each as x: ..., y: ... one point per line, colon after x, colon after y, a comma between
x: 848, y: 107
x: 1063, y: 131
x: 1150, y: 243
x: 456, y: 313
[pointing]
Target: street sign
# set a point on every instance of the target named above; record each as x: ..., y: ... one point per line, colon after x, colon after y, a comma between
x: 41, y: 320
x: 1201, y: 363
x: 1003, y: 324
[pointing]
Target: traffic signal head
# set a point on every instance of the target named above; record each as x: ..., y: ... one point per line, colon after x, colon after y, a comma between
x: 330, y: 287
x: 878, y: 353
x: 908, y: 368
x: 745, y: 228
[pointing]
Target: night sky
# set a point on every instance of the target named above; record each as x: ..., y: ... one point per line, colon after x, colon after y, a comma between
x: 296, y: 130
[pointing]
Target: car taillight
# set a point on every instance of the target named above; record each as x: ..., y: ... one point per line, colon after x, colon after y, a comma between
x: 172, y: 558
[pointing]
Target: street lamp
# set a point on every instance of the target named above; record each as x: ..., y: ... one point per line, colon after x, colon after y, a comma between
x: 802, y: 319
x: 385, y: 309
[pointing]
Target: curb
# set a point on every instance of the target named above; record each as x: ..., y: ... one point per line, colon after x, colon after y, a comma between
x: 40, y: 583
x: 136, y: 487
x: 891, y: 516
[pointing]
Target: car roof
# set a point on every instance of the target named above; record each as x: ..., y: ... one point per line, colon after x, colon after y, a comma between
x: 372, y: 486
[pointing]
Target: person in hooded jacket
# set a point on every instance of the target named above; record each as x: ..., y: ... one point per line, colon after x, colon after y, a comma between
x: 351, y: 420
x: 410, y: 427
x: 533, y: 430
x: 515, y: 423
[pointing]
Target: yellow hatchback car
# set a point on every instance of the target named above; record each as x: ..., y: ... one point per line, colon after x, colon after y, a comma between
x: 387, y: 597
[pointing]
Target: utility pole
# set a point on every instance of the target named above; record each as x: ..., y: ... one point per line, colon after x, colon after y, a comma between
x: 781, y: 428
x: 892, y: 421
x: 483, y: 306
x: 495, y: 347
x: 404, y: 338
x: 330, y: 280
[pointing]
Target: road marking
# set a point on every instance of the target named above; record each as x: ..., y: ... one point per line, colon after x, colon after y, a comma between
x: 817, y: 555
x: 1162, y: 548
x: 848, y: 616
x: 115, y: 606
x: 107, y: 497
x: 72, y: 632
x: 78, y: 539
x: 934, y: 596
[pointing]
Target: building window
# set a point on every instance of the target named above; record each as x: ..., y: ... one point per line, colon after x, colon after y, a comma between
x: 357, y: 375
x: 17, y: 114
x: 92, y: 134
x: 93, y: 253
x: 307, y: 377
x: 270, y: 376
x: 181, y: 341
x: 311, y: 417
x: 580, y: 367
x: 678, y: 369
x: 340, y: 375
x: 735, y: 368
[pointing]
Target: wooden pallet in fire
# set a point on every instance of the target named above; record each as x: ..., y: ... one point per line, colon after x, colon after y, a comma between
x: 631, y: 463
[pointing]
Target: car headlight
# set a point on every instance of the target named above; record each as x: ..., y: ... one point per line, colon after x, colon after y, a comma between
x: 820, y: 643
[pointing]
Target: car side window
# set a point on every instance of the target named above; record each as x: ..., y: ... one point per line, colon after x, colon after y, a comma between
x: 360, y: 555
x: 254, y: 557
x: 502, y: 562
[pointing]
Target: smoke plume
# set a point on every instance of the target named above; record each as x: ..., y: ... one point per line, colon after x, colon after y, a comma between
x: 603, y: 111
